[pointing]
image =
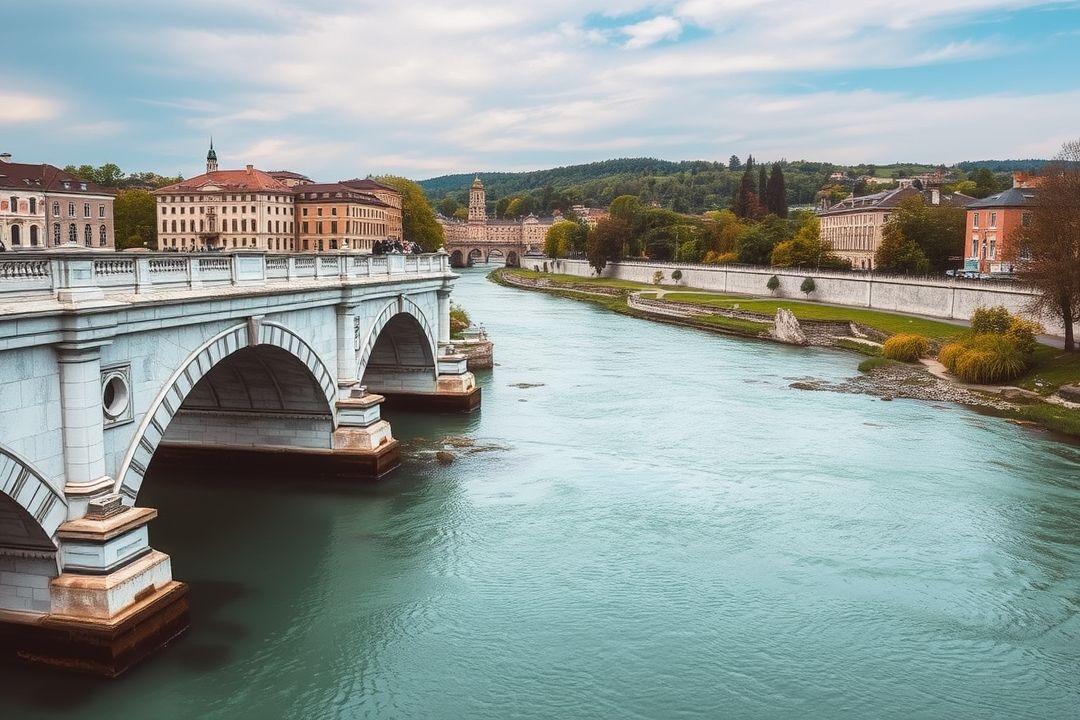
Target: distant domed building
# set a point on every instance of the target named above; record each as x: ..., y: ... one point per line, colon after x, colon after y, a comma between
x: 479, y: 229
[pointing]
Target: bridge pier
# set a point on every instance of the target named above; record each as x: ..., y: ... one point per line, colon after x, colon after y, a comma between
x: 455, y: 390
x: 114, y: 602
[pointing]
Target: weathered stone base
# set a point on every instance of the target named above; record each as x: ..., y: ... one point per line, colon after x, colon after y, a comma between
x: 344, y: 464
x: 105, y: 648
x: 466, y: 402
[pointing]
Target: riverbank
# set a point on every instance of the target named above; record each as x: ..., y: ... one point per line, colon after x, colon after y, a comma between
x: 849, y: 329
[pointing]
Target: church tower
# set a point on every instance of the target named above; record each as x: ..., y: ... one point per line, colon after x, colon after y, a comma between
x: 477, y: 202
x: 211, y: 158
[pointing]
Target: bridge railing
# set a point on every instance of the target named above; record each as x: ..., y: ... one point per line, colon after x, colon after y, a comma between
x: 73, y: 271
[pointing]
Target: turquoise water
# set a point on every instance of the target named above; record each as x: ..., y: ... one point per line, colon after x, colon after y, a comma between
x: 664, y: 529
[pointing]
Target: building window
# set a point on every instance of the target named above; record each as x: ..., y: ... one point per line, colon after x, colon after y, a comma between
x: 974, y: 247
x: 16, y: 235
x: 71, y: 209
x: 33, y: 233
x: 33, y: 211
x: 86, y: 209
x: 993, y: 219
x: 14, y: 201
x: 992, y: 253
x: 56, y: 234
x: 103, y: 236
x: 73, y: 234
x: 88, y: 236
x: 304, y: 229
x: 974, y: 220
x: 56, y: 209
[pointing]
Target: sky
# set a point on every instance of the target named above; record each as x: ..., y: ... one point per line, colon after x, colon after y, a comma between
x: 345, y: 88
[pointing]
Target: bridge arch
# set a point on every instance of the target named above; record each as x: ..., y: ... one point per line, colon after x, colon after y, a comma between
x: 402, y: 336
x: 512, y: 259
x: 457, y: 259
x: 33, y: 508
x: 496, y: 253
x: 475, y: 255
x: 268, y: 364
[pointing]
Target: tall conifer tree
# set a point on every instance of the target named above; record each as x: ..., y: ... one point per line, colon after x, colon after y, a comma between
x: 776, y: 192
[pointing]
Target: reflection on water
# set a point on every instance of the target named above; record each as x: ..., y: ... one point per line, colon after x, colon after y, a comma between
x: 671, y: 531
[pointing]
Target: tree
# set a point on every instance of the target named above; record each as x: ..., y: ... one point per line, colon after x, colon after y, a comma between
x: 986, y: 183
x: 747, y: 204
x: 806, y: 248
x: 448, y: 206
x: 762, y: 186
x: 773, y: 284
x: 606, y: 242
x: 417, y: 218
x: 1050, y: 243
x: 135, y: 218
x: 756, y: 242
x: 626, y: 208
x: 501, y: 206
x: 559, y: 240
x: 776, y: 192
x: 938, y: 230
x: 898, y: 253
x: 519, y: 206
x: 734, y: 164
x: 808, y: 286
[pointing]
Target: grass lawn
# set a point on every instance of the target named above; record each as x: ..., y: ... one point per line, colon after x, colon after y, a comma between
x: 575, y: 280
x: 1051, y: 368
x: 886, y: 322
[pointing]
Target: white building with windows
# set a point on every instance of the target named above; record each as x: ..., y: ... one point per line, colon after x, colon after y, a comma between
x: 42, y: 206
x: 225, y: 209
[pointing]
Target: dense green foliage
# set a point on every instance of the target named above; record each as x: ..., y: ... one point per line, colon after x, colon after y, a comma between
x: 606, y: 242
x: 921, y: 237
x: 565, y: 237
x: 906, y: 347
x: 808, y: 286
x: 459, y: 321
x: 135, y: 218
x: 418, y: 223
x: 110, y: 175
x: 1000, y: 347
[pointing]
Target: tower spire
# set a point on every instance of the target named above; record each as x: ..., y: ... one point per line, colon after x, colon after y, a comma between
x: 211, y: 157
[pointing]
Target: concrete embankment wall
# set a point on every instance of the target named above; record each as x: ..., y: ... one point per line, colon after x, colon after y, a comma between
x: 949, y: 299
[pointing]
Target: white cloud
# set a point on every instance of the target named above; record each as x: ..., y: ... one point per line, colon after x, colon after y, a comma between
x: 22, y: 108
x: 650, y: 32
x: 440, y: 85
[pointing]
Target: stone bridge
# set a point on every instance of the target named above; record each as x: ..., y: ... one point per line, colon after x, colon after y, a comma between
x: 463, y: 253
x: 249, y: 361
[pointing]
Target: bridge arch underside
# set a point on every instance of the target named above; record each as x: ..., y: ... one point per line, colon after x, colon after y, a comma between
x: 256, y: 401
x: 509, y: 255
x: 30, y: 512
x: 402, y: 359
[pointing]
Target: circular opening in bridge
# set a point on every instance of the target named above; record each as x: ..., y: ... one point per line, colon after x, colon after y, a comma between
x: 115, y: 396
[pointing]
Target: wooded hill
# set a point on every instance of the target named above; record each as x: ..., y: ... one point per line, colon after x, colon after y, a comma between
x: 690, y: 186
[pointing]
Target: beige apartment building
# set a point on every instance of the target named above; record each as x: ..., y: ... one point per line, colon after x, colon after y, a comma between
x: 42, y: 206
x: 336, y: 217
x: 854, y: 226
x: 387, y: 195
x: 225, y: 209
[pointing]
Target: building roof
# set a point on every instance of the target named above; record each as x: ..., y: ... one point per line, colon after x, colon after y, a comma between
x: 889, y: 199
x: 246, y: 180
x: 287, y: 174
x: 1013, y: 197
x: 46, y: 178
x: 336, y: 191
x: 368, y: 184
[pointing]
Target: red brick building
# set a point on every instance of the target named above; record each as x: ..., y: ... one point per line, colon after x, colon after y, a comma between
x: 993, y: 223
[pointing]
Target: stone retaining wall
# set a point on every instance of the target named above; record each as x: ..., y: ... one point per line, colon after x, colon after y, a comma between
x: 941, y: 298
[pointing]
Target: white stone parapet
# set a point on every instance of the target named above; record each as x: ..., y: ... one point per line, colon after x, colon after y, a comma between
x: 71, y: 276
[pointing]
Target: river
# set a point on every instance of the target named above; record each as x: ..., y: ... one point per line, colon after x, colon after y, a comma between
x: 664, y: 529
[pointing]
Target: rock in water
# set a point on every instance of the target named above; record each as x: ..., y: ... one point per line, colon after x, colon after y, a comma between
x: 786, y: 328
x: 444, y: 458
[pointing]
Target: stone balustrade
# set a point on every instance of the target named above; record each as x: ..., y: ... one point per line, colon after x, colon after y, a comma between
x: 65, y: 274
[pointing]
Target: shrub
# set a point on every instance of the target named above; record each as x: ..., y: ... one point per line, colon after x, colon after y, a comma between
x: 990, y: 358
x: 808, y: 286
x: 906, y: 347
x: 459, y: 320
x: 990, y: 319
x: 950, y: 353
x: 1023, y: 333
x: 727, y: 258
x: 773, y: 284
x: 657, y: 277
x: 677, y: 275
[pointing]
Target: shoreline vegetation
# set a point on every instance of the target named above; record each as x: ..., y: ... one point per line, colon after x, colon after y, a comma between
x: 1029, y: 400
